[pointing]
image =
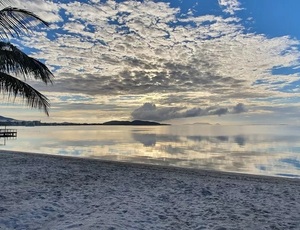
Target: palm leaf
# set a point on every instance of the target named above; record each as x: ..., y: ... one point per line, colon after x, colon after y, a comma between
x: 15, y: 87
x: 14, y: 61
x: 15, y: 21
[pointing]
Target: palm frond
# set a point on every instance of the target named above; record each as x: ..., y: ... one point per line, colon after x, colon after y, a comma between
x: 14, y: 61
x: 15, y: 87
x: 15, y: 21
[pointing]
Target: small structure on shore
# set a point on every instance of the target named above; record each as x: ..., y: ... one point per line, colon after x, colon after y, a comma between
x: 8, y: 132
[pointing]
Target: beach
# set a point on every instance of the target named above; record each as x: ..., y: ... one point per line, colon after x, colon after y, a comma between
x: 53, y: 192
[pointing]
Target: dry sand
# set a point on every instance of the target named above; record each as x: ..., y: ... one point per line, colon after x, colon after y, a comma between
x: 50, y: 192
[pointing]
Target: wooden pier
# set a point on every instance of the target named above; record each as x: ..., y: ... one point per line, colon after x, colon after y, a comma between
x: 8, y: 133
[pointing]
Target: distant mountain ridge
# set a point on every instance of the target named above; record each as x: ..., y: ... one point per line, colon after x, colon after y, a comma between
x: 14, y: 122
x: 6, y: 119
x: 135, y: 122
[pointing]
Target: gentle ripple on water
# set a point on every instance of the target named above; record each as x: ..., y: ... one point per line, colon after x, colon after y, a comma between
x: 266, y: 150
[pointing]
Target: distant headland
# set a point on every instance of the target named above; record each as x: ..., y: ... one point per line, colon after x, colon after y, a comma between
x: 5, y: 121
x: 135, y: 122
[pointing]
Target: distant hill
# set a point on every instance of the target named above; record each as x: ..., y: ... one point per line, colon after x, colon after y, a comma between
x: 10, y: 121
x: 6, y: 119
x: 135, y: 122
x: 201, y: 123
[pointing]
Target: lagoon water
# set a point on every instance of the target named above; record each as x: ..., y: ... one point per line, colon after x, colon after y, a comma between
x: 256, y: 149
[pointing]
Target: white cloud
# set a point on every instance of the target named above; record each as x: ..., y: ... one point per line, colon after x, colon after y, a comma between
x: 47, y: 10
x: 146, y: 48
x: 230, y: 5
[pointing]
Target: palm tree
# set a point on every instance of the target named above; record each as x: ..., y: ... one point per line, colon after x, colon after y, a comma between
x: 14, y: 63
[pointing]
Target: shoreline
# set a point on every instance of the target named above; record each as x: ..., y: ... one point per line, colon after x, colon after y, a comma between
x: 203, y: 172
x: 41, y: 191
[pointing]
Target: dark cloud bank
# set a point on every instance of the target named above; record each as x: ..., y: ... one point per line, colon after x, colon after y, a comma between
x: 150, y: 111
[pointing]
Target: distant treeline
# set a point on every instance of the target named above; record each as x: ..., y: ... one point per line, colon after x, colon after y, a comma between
x: 39, y: 123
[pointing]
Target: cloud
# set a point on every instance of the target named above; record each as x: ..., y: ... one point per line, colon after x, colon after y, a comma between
x: 230, y: 6
x: 145, y: 48
x: 47, y: 10
x: 150, y: 111
x: 239, y: 108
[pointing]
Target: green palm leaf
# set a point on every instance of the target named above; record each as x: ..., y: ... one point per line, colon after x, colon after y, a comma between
x: 15, y: 87
x: 14, y: 61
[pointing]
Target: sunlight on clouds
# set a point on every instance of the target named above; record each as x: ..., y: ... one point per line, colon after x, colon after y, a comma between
x: 151, y: 48
x: 47, y: 10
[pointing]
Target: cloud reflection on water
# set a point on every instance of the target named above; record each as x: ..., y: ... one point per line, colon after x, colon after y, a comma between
x: 264, y: 150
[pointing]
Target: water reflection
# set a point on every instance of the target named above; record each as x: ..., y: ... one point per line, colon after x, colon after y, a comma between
x: 148, y: 140
x: 240, y: 140
x: 3, y: 140
x: 257, y: 150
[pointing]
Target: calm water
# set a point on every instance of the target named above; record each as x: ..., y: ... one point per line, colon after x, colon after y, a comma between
x: 267, y: 150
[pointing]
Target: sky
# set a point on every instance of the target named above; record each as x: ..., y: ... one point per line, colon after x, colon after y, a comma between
x: 175, y: 61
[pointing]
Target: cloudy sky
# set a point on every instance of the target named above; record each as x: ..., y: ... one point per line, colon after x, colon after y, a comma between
x: 177, y: 61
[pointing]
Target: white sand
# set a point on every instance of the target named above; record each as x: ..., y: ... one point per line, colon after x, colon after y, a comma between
x: 48, y: 192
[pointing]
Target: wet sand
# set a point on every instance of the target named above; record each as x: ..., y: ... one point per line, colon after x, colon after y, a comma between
x: 51, y: 192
